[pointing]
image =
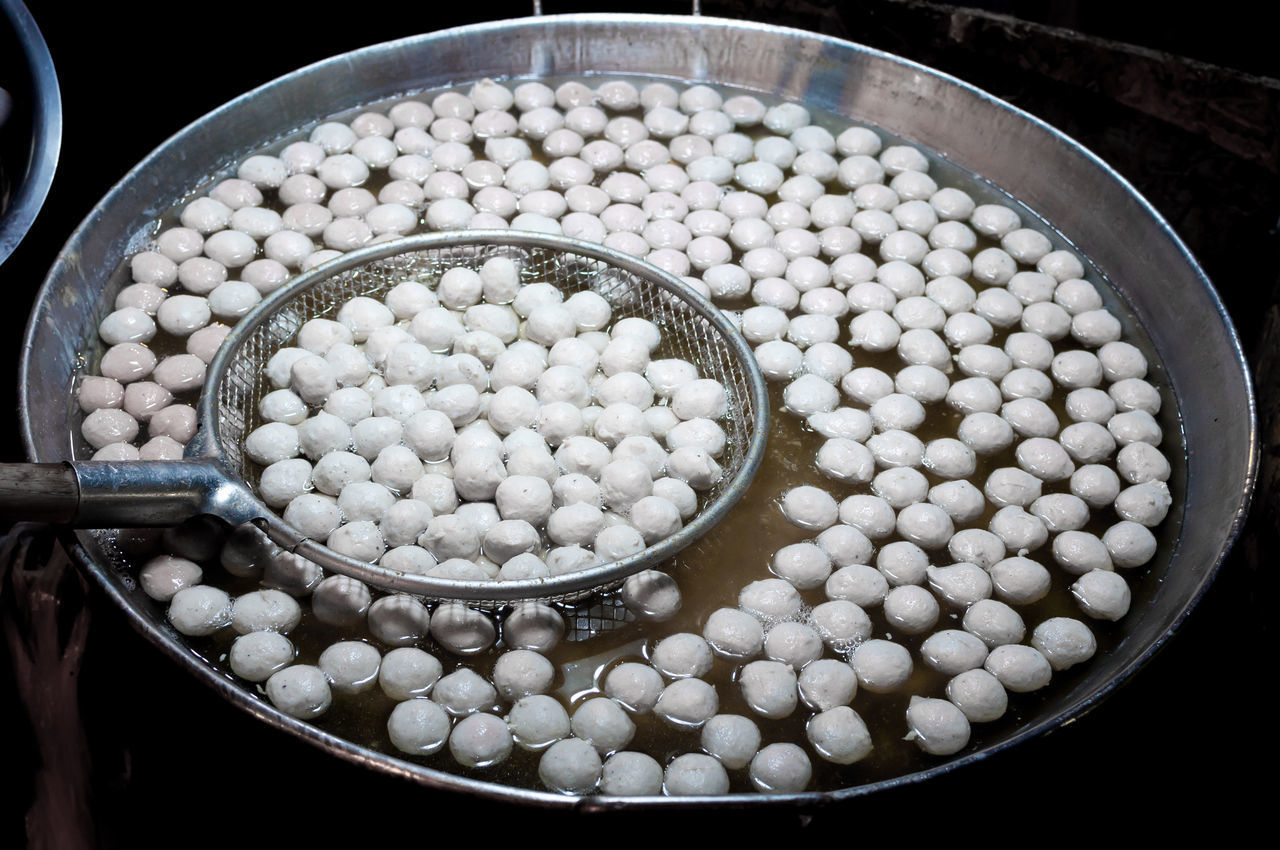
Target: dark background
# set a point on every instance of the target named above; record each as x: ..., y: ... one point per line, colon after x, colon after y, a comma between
x: 1181, y: 741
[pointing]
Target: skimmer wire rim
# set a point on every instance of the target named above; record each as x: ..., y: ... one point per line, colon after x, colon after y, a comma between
x: 221, y: 422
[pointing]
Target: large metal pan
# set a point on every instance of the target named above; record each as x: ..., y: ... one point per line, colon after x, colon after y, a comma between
x: 31, y: 120
x: 1090, y: 204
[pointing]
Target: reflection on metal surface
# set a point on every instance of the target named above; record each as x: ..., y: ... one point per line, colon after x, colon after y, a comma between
x: 25, y: 179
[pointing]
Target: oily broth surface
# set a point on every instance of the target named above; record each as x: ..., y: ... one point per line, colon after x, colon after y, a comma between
x: 712, y: 571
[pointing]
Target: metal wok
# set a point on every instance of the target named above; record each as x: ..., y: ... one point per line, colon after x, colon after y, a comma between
x: 1083, y: 198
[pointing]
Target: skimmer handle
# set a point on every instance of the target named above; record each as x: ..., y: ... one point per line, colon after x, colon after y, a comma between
x: 123, y: 494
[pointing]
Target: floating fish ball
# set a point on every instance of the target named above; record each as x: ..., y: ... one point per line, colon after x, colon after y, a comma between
x: 688, y: 703
x: 200, y: 610
x: 810, y: 507
x: 841, y: 623
x: 769, y: 688
x: 827, y: 683
x: 265, y: 610
x: 804, y: 565
x: 603, y: 724
x: 408, y: 672
x: 911, y: 609
x: 839, y: 735
x: 418, y: 727
x: 1064, y: 642
x: 480, y: 740
x: 845, y: 545
x: 1019, y: 668
x: 682, y: 656
x: 794, y: 644
x: 781, y: 769
x: 695, y: 775
x: 520, y: 673
x: 571, y: 766
x: 637, y: 687
x: 938, y: 726
x: 882, y: 666
x: 163, y: 576
x: 770, y: 599
x: 978, y: 695
x: 256, y: 656
x: 351, y: 666
x: 734, y: 634
x: 300, y: 691
x: 631, y: 774
x: 538, y: 721
x: 1102, y: 594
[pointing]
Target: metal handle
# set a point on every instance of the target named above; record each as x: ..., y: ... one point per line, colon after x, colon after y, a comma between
x: 123, y: 494
x: 38, y: 492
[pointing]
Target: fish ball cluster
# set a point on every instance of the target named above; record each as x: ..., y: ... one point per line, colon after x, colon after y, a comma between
x: 426, y: 407
x: 486, y: 428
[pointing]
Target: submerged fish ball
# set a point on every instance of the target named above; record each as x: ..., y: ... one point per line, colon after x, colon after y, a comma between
x: 651, y: 595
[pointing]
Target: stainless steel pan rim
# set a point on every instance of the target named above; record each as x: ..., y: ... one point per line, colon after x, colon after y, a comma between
x: 1064, y: 182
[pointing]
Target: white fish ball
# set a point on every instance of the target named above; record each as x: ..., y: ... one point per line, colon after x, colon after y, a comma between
x: 300, y: 691
x: 938, y: 727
